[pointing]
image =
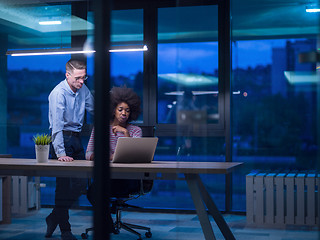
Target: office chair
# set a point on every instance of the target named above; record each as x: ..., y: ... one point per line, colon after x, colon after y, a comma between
x: 119, y: 202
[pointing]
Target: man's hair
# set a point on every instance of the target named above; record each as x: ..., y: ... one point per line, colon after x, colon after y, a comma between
x: 73, y: 64
x: 128, y: 96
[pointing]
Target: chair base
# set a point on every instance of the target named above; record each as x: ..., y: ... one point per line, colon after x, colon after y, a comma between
x: 130, y: 228
x: 126, y: 226
x: 85, y: 235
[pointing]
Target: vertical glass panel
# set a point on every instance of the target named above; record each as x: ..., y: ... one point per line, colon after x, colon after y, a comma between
x: 40, y: 26
x: 168, y: 194
x: 188, y: 96
x: 187, y: 65
x: 275, y: 115
x: 30, y: 79
x: 127, y: 67
x: 127, y: 26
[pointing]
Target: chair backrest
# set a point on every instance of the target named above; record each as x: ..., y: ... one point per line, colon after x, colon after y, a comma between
x: 147, y: 131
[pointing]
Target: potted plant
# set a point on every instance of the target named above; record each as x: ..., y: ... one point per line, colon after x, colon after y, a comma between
x: 42, y: 146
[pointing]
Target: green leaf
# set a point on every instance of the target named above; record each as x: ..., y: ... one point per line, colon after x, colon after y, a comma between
x: 43, y: 139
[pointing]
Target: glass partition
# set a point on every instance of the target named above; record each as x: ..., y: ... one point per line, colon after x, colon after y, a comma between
x: 127, y: 67
x: 36, y: 26
x: 188, y: 65
x: 188, y: 97
x: 275, y: 113
x: 188, y: 83
x: 274, y: 100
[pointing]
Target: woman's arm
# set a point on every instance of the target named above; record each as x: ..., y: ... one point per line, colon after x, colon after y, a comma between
x: 90, y: 147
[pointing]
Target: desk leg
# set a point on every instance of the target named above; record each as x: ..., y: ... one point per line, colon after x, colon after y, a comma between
x: 200, y: 207
x: 214, y: 211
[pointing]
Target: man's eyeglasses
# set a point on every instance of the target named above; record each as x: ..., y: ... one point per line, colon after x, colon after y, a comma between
x: 85, y: 77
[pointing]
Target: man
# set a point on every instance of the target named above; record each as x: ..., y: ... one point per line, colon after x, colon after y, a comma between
x: 67, y: 104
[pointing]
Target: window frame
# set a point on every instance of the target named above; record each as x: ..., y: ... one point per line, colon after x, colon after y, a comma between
x: 150, y: 73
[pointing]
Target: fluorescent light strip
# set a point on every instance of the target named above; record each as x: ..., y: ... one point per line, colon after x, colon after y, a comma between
x: 49, y: 53
x: 50, y: 22
x: 145, y: 48
x: 197, y: 93
x: 44, y: 52
x: 313, y: 10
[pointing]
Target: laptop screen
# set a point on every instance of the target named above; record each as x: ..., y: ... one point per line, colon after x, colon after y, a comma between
x: 135, y: 150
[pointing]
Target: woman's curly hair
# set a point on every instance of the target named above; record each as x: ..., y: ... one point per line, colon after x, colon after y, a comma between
x: 128, y: 96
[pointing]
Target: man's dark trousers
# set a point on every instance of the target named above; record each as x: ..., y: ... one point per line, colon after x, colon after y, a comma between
x: 68, y: 190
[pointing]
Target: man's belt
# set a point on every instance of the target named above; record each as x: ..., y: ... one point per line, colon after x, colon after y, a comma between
x: 71, y: 133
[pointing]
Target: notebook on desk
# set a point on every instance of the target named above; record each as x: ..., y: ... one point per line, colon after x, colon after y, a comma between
x: 135, y: 150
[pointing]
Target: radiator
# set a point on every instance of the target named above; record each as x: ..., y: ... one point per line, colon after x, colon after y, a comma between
x: 25, y: 194
x: 282, y: 199
x: 32, y: 195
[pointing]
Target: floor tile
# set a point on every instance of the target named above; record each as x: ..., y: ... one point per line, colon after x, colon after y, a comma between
x: 163, y: 226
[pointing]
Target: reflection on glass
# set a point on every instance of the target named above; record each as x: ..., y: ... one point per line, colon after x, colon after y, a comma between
x: 188, y: 65
x: 127, y: 70
x: 176, y: 149
x: 275, y: 116
x: 188, y: 91
x: 188, y: 96
x: 127, y: 67
x: 30, y: 80
x: 30, y: 27
x: 127, y: 26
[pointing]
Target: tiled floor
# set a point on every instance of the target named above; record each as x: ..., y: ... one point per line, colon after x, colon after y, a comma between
x: 164, y: 226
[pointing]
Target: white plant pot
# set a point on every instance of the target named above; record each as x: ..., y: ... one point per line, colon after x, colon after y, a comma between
x: 42, y: 153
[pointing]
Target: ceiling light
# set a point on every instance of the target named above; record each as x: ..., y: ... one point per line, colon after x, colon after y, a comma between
x: 129, y: 49
x: 301, y: 77
x: 189, y: 79
x: 41, y: 52
x: 50, y: 22
x: 61, y: 51
x: 313, y: 8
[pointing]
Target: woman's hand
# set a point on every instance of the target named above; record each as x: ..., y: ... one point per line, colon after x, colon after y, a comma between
x: 111, y: 157
x: 118, y: 128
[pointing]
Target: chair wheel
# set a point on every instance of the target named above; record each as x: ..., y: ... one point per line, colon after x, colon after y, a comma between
x: 84, y: 236
x: 148, y: 234
x: 115, y: 231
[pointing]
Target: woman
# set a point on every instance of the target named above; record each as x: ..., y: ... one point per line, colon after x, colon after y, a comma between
x: 125, y: 107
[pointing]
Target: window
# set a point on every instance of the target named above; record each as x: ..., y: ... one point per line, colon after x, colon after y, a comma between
x: 188, y: 100
x: 127, y: 67
x: 188, y: 66
x: 274, y: 114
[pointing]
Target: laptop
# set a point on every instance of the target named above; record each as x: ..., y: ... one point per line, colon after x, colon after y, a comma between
x: 135, y: 150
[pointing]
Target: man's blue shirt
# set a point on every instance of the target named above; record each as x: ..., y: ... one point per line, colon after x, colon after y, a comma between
x: 66, y: 112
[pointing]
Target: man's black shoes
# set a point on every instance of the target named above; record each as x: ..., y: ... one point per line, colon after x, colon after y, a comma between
x: 51, y: 226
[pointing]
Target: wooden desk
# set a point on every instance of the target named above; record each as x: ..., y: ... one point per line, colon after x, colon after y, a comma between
x: 158, y: 170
